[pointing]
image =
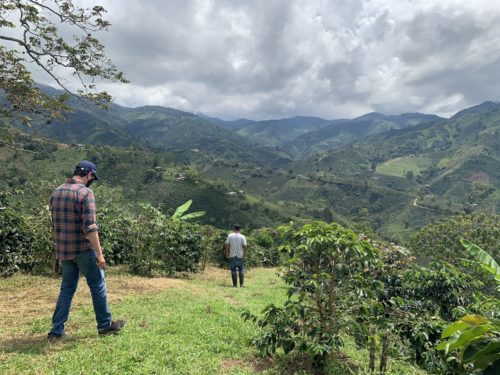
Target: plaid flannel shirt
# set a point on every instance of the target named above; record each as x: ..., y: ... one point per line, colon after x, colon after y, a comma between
x: 73, y: 216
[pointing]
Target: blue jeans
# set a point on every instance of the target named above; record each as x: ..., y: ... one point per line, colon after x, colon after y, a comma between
x: 236, y: 264
x: 85, y: 263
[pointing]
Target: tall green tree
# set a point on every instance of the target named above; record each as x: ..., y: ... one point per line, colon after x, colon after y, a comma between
x: 30, y: 38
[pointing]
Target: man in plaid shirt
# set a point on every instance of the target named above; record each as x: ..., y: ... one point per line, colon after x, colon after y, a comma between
x: 79, y: 250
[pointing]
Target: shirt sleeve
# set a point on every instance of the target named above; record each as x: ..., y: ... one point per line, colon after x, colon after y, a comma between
x: 227, y: 240
x: 88, y: 213
x: 244, y: 241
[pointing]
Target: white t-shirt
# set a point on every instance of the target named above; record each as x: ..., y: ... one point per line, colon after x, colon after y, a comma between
x: 236, y: 242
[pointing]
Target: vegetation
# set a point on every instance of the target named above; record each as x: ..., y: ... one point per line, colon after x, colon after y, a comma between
x: 36, y: 39
x: 441, y: 240
x: 190, y: 326
x: 347, y: 301
x: 477, y: 338
x: 339, y: 284
x: 425, y: 169
x: 15, y: 240
x: 324, y: 264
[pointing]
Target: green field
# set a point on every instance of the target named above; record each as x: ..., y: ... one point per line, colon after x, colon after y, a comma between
x: 400, y: 166
x: 173, y: 327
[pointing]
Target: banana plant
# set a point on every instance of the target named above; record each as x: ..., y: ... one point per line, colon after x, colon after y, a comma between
x: 476, y: 337
x: 483, y: 260
x: 179, y: 212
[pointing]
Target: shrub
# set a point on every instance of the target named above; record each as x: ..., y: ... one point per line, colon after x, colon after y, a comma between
x: 324, y: 280
x: 414, y: 303
x: 441, y: 240
x: 160, y: 246
x: 42, y: 246
x: 115, y: 223
x: 15, y: 240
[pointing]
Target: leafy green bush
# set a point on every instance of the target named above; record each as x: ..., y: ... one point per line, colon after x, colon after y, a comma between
x: 15, y: 240
x: 160, y: 246
x: 115, y: 223
x: 264, y: 251
x: 428, y: 298
x: 43, y: 246
x: 217, y: 238
x: 441, y: 240
x: 413, y: 305
x: 324, y: 280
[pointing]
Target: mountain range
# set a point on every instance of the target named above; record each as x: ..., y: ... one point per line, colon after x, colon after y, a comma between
x: 387, y: 173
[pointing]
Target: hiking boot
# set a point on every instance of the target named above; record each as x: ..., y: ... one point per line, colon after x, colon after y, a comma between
x: 234, y: 279
x: 242, y: 278
x: 114, y: 327
x: 52, y: 337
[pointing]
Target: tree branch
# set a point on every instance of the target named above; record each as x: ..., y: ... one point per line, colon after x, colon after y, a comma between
x: 18, y: 41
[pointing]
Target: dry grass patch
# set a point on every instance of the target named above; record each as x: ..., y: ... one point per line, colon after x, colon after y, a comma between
x: 229, y: 364
x: 30, y: 297
x: 214, y: 275
x: 257, y: 365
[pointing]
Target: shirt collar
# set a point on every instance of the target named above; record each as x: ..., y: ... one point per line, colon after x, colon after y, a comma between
x: 73, y: 181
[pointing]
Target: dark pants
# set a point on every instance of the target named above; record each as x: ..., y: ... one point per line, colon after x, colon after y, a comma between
x: 237, y: 265
x: 85, y: 263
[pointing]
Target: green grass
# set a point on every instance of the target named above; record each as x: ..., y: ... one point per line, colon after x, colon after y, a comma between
x: 400, y: 166
x: 173, y: 327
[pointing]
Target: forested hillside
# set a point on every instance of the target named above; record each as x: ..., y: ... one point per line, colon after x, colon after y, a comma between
x: 389, y: 174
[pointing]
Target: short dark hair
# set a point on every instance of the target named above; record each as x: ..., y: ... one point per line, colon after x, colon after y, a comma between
x: 237, y: 227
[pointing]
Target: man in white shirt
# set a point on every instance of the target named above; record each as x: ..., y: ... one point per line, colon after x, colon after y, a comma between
x: 235, y: 249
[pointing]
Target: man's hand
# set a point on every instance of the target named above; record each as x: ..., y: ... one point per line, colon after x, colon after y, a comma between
x: 101, y: 262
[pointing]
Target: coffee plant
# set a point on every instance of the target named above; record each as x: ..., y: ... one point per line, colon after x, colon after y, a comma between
x: 325, y: 264
x: 15, y: 240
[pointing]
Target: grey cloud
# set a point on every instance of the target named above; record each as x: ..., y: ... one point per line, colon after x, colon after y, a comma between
x: 261, y: 59
x: 435, y: 35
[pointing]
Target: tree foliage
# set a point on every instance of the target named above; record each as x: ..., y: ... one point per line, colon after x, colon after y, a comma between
x: 441, y: 240
x: 31, y: 38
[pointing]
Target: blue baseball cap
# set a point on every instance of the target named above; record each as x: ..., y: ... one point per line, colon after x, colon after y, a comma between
x: 86, y: 166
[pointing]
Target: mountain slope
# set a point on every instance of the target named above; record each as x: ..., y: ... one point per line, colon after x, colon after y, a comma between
x: 438, y: 170
x: 342, y: 132
x: 278, y: 132
x: 155, y: 127
x: 229, y: 125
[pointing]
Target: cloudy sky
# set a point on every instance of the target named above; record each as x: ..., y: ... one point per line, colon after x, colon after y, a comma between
x: 264, y: 59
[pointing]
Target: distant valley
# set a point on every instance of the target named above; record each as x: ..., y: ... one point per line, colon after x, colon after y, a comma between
x: 390, y: 174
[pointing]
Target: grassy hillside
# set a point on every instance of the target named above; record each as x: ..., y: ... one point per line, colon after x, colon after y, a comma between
x: 401, y: 166
x: 442, y: 169
x: 173, y: 327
